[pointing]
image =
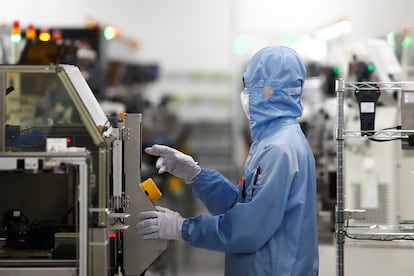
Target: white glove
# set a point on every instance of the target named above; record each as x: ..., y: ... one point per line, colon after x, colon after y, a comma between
x: 160, y: 224
x: 175, y: 162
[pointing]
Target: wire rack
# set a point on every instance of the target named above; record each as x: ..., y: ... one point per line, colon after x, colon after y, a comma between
x: 376, y: 232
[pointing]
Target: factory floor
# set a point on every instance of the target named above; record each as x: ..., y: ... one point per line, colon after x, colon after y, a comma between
x: 361, y: 258
x: 184, y: 260
x: 205, y: 263
x: 181, y: 259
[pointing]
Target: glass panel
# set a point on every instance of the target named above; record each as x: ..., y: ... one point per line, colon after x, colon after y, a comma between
x: 40, y: 99
x: 37, y: 225
x: 39, y: 208
x: 36, y: 108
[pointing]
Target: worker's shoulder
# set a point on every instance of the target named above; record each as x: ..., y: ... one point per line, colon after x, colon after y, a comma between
x: 289, y: 145
x: 275, y: 147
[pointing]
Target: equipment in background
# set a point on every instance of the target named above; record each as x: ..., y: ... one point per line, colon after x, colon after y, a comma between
x: 47, y: 52
x: 382, y: 55
x: 69, y: 177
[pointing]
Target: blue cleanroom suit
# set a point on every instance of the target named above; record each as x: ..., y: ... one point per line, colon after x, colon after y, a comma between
x: 268, y: 224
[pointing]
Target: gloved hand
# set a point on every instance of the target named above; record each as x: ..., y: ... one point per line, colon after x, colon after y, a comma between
x: 160, y: 224
x: 175, y: 162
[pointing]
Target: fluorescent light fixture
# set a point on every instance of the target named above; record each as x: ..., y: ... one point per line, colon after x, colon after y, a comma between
x: 333, y: 31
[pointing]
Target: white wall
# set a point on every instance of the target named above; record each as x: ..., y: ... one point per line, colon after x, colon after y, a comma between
x: 184, y: 36
x: 199, y: 34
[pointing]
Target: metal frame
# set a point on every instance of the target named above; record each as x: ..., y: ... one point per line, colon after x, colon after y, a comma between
x: 339, y: 219
x: 340, y: 229
x: 81, y: 160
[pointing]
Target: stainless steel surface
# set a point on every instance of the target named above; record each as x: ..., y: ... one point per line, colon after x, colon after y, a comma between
x: 339, y: 226
x: 32, y: 271
x: 101, y: 185
x: 381, y: 232
x: 2, y: 112
x: 139, y: 253
x: 99, y: 251
x: 117, y: 168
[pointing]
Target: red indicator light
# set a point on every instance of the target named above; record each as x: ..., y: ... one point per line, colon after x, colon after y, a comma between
x: 111, y: 234
x: 57, y: 35
x: 16, y: 27
x: 68, y: 141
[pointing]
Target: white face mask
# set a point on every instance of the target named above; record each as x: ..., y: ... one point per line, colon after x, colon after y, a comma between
x: 244, y: 98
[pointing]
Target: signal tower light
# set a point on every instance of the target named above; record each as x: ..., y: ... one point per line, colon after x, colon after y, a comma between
x: 16, y: 35
x: 57, y: 35
x: 111, y: 32
x: 30, y: 32
x: 44, y: 35
x: 371, y: 67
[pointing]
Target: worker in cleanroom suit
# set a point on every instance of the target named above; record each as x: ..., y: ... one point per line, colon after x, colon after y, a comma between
x: 268, y: 224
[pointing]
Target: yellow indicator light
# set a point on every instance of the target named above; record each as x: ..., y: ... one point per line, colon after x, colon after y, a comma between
x: 122, y: 115
x: 44, y: 35
x: 30, y: 32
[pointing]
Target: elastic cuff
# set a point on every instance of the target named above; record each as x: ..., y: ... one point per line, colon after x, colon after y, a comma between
x: 184, y: 229
x: 180, y: 223
x: 194, y: 178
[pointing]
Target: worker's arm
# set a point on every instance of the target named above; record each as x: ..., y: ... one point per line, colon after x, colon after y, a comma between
x: 216, y: 192
x: 246, y: 227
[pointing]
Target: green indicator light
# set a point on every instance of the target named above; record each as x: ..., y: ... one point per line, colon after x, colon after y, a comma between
x: 110, y: 33
x: 391, y: 39
x: 406, y: 42
x: 371, y: 67
x: 15, y: 38
x: 337, y: 70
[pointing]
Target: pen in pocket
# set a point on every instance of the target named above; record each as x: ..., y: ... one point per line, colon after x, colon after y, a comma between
x: 255, y: 176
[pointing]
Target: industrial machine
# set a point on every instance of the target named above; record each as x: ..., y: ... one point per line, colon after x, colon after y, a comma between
x: 69, y: 179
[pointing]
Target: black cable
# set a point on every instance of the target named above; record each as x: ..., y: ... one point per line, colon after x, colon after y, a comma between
x: 386, y: 140
x: 390, y: 139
